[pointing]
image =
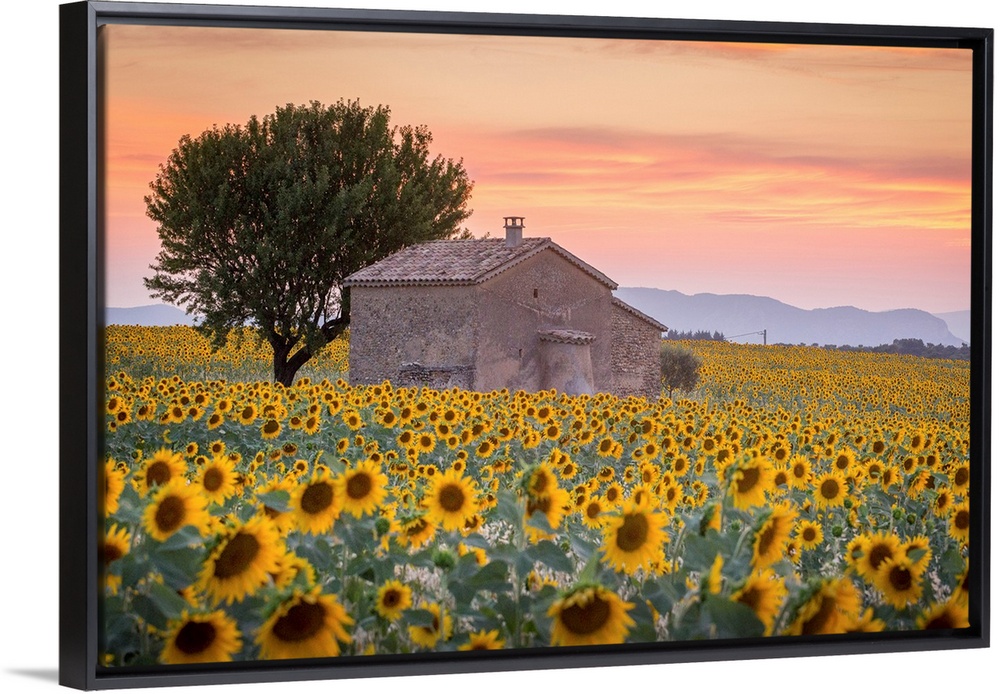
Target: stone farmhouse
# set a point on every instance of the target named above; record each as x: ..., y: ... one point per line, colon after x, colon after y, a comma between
x: 485, y: 314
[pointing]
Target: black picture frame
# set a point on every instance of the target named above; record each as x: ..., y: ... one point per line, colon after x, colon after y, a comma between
x: 81, y: 342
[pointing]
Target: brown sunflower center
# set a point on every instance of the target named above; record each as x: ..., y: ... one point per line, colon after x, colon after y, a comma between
x: 962, y: 520
x: 593, y: 510
x: 157, y: 473
x: 587, y: 618
x: 751, y: 597
x: 829, y: 489
x: 540, y: 482
x: 900, y: 578
x: 112, y: 552
x: 170, y: 514
x: 237, y: 555
x: 809, y: 534
x: 195, y: 637
x: 213, y: 479
x: 748, y: 480
x: 391, y: 598
x: 633, y: 532
x: 359, y: 486
x: 818, y: 623
x: 451, y: 497
x: 878, y: 554
x: 317, y: 497
x: 300, y: 623
x: 962, y: 476
x: 767, y: 536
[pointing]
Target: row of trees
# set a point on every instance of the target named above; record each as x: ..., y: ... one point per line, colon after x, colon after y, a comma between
x: 695, y: 335
x: 913, y: 347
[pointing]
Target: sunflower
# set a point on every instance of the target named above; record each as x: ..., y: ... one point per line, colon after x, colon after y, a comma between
x: 115, y: 545
x: 831, y: 608
x: 541, y: 480
x: 393, y: 597
x: 363, y: 488
x: 865, y: 623
x: 958, y: 526
x: 162, y: 467
x: 306, y: 625
x: 749, y: 482
x: 415, y: 532
x: 591, y: 512
x: 810, y: 533
x: 243, y: 561
x: 290, y: 567
x: 247, y: 414
x: 960, y: 479
x: 773, y: 535
x: 483, y: 641
x: 918, y: 550
x: 949, y: 615
x: 875, y: 550
x: 217, y: 479
x: 439, y: 628
x: 174, y: 506
x: 552, y: 506
x: 634, y: 538
x: 899, y: 582
x: 799, y: 472
x: 830, y: 490
x: 270, y: 429
x: 283, y: 518
x: 590, y: 615
x: 450, y: 500
x: 317, y: 503
x: 114, y: 485
x: 201, y: 638
x: 763, y: 592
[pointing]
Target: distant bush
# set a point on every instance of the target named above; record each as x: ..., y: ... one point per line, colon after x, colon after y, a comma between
x: 679, y: 368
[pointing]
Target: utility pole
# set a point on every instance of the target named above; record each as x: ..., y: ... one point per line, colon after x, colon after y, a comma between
x: 765, y: 337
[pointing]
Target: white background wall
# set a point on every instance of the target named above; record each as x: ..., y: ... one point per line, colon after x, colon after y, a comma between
x: 28, y: 389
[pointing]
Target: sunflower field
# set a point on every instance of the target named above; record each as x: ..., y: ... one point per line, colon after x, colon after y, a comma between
x: 796, y: 491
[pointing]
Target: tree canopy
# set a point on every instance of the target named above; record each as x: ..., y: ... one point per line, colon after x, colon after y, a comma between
x: 260, y: 223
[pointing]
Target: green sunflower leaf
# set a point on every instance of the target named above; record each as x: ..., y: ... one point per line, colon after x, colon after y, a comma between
x: 549, y: 554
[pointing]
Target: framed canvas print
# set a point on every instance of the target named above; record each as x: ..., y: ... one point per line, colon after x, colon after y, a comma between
x: 410, y: 342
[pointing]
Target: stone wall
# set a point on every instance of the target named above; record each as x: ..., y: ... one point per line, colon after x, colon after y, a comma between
x: 392, y: 327
x: 635, y: 356
x: 543, y: 292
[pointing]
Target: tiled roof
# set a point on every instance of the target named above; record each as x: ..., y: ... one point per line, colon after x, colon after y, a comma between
x: 570, y: 337
x: 639, y: 314
x: 459, y: 261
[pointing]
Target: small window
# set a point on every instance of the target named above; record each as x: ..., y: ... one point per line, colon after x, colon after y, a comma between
x: 536, y: 292
x: 520, y: 353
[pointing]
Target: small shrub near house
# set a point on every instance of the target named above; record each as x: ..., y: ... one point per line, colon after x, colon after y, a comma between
x: 679, y: 368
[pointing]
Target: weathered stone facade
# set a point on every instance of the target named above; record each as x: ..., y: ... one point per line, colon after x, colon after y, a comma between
x: 489, y: 314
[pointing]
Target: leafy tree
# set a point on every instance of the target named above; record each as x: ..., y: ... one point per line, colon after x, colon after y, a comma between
x: 259, y: 224
x: 679, y: 368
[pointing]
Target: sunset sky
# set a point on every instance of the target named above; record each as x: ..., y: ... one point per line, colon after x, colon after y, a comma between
x: 820, y: 176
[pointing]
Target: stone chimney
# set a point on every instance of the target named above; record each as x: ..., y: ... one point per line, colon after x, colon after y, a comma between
x: 513, y: 226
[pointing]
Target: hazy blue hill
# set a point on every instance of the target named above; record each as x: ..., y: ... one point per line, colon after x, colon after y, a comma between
x: 155, y: 314
x: 735, y: 314
x: 959, y: 323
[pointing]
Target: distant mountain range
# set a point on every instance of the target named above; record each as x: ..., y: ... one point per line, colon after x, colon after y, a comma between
x: 736, y: 315
x: 731, y: 314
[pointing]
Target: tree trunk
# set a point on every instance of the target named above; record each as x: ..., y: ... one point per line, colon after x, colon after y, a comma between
x: 285, y: 368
